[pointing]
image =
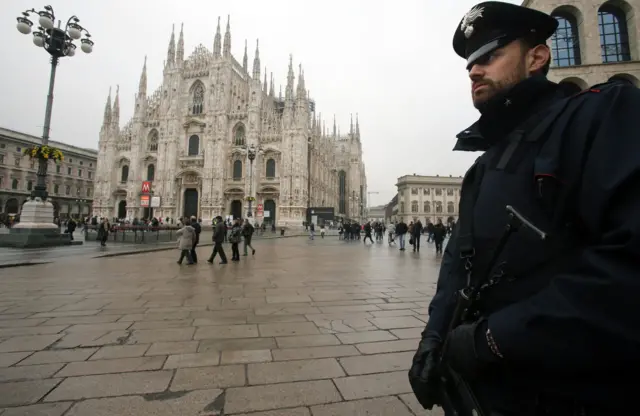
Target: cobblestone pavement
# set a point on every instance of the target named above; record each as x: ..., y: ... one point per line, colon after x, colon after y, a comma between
x: 304, y: 328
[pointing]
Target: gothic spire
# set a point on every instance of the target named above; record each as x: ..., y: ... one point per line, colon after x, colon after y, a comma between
x: 216, y: 41
x: 288, y: 93
x: 357, y: 127
x: 351, y: 125
x: 107, y: 110
x: 265, y: 85
x: 180, y: 49
x: 256, y: 62
x: 245, y: 59
x: 115, y: 114
x: 142, y: 87
x: 302, y: 91
x: 226, y: 51
x: 272, y: 92
x: 280, y: 94
x: 171, y: 50
x: 334, y: 125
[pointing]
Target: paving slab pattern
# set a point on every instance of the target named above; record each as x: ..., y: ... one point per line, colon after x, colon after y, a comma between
x: 304, y: 328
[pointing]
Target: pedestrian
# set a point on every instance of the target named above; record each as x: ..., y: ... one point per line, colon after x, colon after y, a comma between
x: 219, y: 236
x: 198, y: 229
x: 439, y: 233
x: 401, y: 231
x: 103, y: 231
x: 417, y: 233
x: 367, y: 233
x: 186, y: 237
x: 235, y: 236
x: 553, y: 329
x: 247, y: 234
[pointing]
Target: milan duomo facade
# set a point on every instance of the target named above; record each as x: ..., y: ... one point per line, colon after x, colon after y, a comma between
x: 191, y: 138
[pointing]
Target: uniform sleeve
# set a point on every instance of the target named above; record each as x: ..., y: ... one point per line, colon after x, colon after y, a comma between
x: 443, y: 302
x: 589, y: 316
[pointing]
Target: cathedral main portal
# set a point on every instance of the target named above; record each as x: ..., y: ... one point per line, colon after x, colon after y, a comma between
x: 190, y: 202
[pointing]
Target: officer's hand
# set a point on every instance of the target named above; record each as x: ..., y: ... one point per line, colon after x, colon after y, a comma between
x: 467, y: 351
x: 423, y: 375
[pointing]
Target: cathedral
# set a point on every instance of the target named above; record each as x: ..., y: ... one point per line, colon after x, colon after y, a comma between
x: 214, y: 139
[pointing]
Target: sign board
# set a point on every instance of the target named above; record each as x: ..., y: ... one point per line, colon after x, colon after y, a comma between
x: 155, y: 202
x: 146, y: 187
x: 260, y: 207
x: 267, y: 214
x: 144, y: 200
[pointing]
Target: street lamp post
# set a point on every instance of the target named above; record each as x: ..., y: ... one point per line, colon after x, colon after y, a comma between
x: 309, y: 148
x: 36, y: 228
x: 252, y: 151
x: 58, y: 43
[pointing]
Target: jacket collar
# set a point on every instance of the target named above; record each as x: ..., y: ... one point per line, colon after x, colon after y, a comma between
x: 505, y: 111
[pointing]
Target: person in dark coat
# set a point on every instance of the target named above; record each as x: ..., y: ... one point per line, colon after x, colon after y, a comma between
x: 219, y: 235
x: 439, y: 233
x: 198, y: 229
x: 416, y: 232
x: 556, y: 332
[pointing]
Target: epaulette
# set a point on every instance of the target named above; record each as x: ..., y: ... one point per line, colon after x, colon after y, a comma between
x: 597, y: 88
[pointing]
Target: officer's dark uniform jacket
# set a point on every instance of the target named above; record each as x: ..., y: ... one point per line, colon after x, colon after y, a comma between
x: 566, y: 313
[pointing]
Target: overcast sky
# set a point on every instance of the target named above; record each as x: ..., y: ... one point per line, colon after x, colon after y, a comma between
x: 393, y: 64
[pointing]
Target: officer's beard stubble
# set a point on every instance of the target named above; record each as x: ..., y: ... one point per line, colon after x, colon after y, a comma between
x: 498, y: 86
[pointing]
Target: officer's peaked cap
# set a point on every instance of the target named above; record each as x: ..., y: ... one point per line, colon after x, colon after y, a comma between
x: 494, y: 24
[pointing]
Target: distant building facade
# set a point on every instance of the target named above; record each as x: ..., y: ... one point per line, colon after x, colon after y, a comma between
x: 185, y: 151
x: 428, y: 198
x: 596, y: 41
x: 69, y: 183
x: 377, y: 214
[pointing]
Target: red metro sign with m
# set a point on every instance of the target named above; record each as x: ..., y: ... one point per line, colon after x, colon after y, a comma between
x: 146, y: 187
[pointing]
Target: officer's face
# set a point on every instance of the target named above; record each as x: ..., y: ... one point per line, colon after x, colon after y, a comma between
x: 497, y: 72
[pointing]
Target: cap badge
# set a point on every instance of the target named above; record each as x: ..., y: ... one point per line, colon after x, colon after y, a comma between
x: 467, y: 21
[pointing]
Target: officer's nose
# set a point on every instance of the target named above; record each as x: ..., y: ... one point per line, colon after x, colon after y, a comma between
x: 476, y: 72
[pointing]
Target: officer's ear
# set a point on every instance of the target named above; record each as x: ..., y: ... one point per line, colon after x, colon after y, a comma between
x: 538, y: 59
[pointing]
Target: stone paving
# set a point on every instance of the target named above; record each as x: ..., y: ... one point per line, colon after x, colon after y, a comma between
x: 304, y: 328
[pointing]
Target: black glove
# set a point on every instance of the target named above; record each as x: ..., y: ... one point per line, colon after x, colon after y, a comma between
x: 467, y: 351
x: 423, y: 375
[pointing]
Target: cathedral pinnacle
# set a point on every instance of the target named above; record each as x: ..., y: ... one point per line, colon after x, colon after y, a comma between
x: 180, y: 49
x: 334, y: 126
x: 115, y: 114
x: 265, y: 85
x: 107, y: 110
x: 288, y: 92
x: 171, y: 50
x: 351, y: 125
x: 357, y: 127
x: 256, y: 62
x: 142, y: 87
x: 217, y: 41
x: 301, y: 93
x: 272, y: 92
x: 245, y: 58
x: 226, y: 48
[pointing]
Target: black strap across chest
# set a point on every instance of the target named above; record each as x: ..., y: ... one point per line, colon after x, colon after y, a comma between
x: 531, y: 130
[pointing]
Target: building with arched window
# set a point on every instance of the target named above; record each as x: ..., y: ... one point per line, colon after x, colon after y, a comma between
x: 69, y: 183
x: 596, y: 41
x: 429, y: 198
x: 191, y: 138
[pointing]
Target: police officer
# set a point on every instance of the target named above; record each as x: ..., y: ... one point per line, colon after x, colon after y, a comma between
x: 555, y: 329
